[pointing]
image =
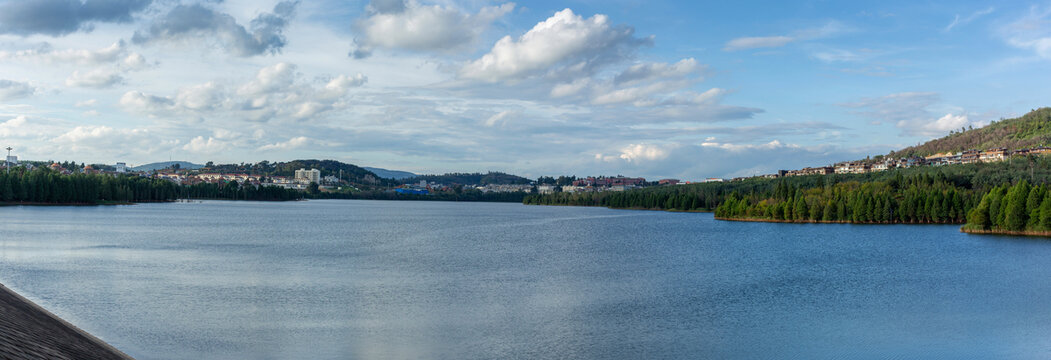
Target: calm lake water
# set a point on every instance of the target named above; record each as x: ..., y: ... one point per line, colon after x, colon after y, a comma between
x: 411, y: 280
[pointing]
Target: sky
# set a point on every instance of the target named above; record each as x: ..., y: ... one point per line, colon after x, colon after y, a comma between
x: 659, y: 89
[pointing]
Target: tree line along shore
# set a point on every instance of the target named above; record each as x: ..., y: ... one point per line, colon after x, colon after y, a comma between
x: 986, y: 197
x: 42, y: 186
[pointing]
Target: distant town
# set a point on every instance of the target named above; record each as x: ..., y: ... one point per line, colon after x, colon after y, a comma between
x: 304, y: 179
x: 883, y: 164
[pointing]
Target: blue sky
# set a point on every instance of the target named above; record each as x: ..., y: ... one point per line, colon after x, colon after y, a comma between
x: 657, y: 89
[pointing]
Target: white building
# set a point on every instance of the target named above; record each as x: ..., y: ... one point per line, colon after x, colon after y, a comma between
x: 330, y: 179
x: 308, y: 176
x: 121, y: 168
x: 545, y: 189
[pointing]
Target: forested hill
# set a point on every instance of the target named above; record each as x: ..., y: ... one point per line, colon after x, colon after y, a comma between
x: 352, y: 173
x: 1029, y: 130
x: 471, y: 179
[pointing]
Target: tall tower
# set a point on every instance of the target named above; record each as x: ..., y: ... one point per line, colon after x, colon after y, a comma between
x: 7, y: 160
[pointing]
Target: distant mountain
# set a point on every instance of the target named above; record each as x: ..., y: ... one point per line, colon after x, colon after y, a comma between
x: 1029, y: 130
x: 167, y: 164
x: 389, y: 174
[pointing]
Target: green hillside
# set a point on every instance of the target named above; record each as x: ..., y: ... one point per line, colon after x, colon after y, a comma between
x: 1030, y: 130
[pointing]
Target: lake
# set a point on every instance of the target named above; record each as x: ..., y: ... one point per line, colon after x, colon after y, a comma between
x: 409, y: 280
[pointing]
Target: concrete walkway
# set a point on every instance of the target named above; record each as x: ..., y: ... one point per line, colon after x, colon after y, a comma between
x: 27, y: 331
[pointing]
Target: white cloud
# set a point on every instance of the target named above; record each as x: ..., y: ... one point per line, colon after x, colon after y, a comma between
x: 134, y: 61
x: 339, y: 85
x: 205, y: 96
x: 501, y: 118
x: 956, y: 21
x: 413, y: 26
x: 276, y: 91
x: 642, y: 152
x: 201, y: 145
x: 757, y: 42
x: 98, y: 78
x: 47, y: 54
x: 275, y: 78
x: 941, y: 126
x: 105, y: 139
x: 293, y: 143
x: 837, y: 55
x: 913, y: 113
x: 1031, y: 32
x: 10, y: 90
x: 772, y: 145
x: 309, y: 109
x: 13, y: 127
x: 649, y: 71
x: 565, y: 39
x: 570, y: 89
x: 86, y: 103
x: 746, y: 43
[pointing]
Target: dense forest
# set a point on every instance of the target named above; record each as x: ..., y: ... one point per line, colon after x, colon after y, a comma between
x: 1013, y: 208
x: 1030, y: 130
x: 914, y: 199
x: 942, y: 194
x: 44, y: 186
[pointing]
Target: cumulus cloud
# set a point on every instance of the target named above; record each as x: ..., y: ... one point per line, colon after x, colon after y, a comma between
x: 196, y: 21
x: 10, y: 90
x: 565, y: 40
x: 104, y: 139
x: 293, y: 143
x: 61, y: 17
x: 274, y: 78
x: 274, y: 91
x: 201, y: 145
x: 207, y: 96
x: 339, y: 85
x: 14, y: 127
x: 642, y: 152
x: 946, y: 123
x: 98, y: 78
x: 397, y: 24
x: 141, y: 103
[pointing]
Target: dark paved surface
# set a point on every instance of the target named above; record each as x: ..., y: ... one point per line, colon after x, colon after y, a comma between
x: 27, y: 331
